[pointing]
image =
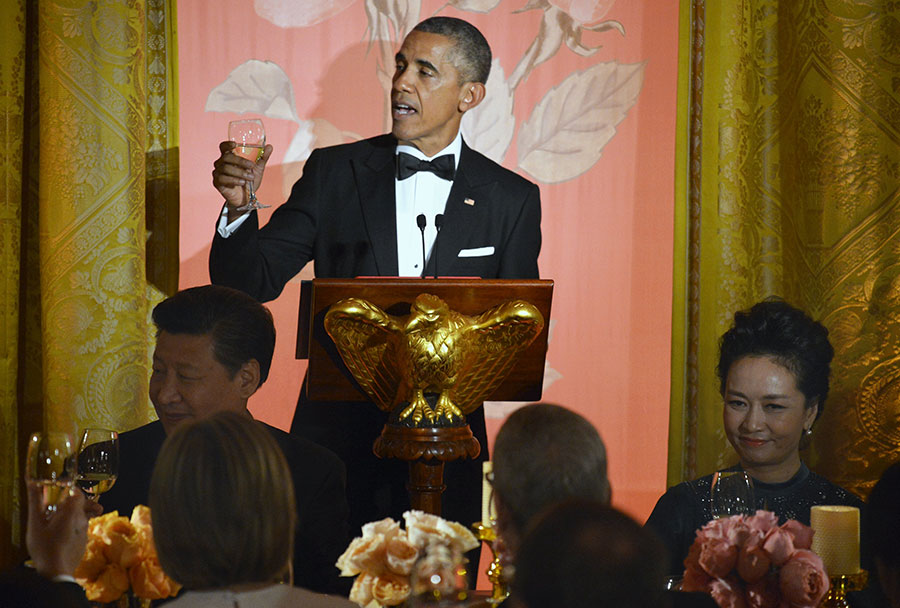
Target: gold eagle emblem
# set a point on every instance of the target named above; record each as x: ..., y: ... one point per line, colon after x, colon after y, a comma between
x: 434, y: 365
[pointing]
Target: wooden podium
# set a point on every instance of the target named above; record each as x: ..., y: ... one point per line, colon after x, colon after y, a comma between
x: 425, y: 449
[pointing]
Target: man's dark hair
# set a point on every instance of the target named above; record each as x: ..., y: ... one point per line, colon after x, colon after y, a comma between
x: 472, y: 56
x: 583, y: 554
x: 774, y: 328
x: 883, y: 517
x: 545, y: 454
x: 240, y: 327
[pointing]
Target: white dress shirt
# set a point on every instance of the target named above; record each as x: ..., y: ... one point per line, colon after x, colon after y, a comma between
x: 424, y: 193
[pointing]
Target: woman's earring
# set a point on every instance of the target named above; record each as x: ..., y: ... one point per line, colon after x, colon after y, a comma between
x: 808, y: 431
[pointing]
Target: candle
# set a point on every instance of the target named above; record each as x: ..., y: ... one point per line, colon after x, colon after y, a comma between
x: 487, y: 494
x: 836, y: 538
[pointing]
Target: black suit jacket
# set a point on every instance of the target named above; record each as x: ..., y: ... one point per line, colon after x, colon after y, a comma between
x: 318, y: 477
x: 342, y: 214
x: 23, y: 587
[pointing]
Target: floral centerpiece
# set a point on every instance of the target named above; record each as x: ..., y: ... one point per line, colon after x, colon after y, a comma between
x: 382, y: 559
x: 120, y: 557
x: 752, y: 562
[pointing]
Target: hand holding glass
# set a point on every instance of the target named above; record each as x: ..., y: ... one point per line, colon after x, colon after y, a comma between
x: 98, y: 461
x: 732, y: 494
x: 51, y: 463
x: 250, y: 138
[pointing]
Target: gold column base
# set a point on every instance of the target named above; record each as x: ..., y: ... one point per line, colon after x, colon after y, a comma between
x: 499, y: 590
x: 841, y: 586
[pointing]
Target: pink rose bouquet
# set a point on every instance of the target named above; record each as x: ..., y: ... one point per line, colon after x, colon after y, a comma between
x: 382, y: 559
x: 752, y: 562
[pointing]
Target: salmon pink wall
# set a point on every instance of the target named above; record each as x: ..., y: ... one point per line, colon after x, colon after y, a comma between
x: 595, y: 129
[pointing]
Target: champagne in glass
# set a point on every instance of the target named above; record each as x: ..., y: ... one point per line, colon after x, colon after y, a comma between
x: 732, y: 494
x: 51, y: 463
x: 249, y: 137
x: 98, y: 461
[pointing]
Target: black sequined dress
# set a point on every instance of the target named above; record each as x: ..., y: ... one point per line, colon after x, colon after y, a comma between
x: 685, y: 508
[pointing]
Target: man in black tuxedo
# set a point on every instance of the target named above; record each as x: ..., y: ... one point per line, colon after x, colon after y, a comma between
x: 354, y: 213
x: 214, y: 347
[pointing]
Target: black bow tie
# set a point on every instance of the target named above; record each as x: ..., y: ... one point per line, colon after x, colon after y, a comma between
x: 443, y: 166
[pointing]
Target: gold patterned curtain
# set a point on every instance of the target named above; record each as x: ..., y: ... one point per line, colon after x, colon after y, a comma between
x: 790, y: 182
x: 88, y: 218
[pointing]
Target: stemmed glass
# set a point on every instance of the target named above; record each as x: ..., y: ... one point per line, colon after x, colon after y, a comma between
x: 98, y: 461
x: 250, y: 137
x: 732, y: 494
x: 51, y: 463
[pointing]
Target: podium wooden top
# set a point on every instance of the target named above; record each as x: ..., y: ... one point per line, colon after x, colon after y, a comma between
x: 328, y: 378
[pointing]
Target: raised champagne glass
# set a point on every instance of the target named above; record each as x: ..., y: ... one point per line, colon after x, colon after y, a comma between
x: 52, y: 464
x: 98, y: 461
x: 249, y: 137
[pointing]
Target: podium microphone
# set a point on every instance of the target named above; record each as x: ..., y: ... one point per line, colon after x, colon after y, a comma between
x: 420, y: 221
x: 438, y: 222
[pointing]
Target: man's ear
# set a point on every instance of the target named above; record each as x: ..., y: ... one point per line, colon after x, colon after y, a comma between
x: 471, y: 95
x: 248, y: 377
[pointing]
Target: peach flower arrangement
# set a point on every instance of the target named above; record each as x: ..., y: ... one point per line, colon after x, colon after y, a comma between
x: 120, y: 556
x: 382, y: 559
x: 752, y: 562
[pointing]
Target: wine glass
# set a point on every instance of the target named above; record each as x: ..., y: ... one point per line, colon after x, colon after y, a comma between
x: 98, y: 461
x: 250, y: 137
x: 51, y: 463
x: 732, y: 494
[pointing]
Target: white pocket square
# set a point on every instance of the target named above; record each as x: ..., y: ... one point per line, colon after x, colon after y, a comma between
x: 477, y: 252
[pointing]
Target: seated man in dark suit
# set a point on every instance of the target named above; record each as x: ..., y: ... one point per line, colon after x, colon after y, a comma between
x: 544, y: 454
x: 883, y: 524
x: 583, y: 554
x: 214, y: 347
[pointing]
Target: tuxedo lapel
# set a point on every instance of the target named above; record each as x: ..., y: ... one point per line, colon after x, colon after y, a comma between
x: 374, y: 178
x: 468, y: 205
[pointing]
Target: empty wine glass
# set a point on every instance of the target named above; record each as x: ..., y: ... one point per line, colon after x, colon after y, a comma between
x: 51, y: 463
x: 732, y: 494
x: 249, y: 135
x: 98, y: 461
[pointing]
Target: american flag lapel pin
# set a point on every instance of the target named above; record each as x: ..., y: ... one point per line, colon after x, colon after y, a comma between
x: 469, y: 201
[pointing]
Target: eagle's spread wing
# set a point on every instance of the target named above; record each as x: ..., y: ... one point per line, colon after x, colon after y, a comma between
x: 493, y: 344
x: 365, y: 337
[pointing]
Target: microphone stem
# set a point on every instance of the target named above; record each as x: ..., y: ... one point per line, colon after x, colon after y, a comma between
x: 423, y: 253
x: 421, y: 222
x: 438, y: 223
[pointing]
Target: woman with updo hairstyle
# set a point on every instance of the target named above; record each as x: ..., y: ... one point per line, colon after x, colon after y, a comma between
x: 222, y: 506
x: 774, y: 367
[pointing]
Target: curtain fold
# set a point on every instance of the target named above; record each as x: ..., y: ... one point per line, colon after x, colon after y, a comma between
x: 12, y: 106
x: 797, y: 165
x: 98, y: 132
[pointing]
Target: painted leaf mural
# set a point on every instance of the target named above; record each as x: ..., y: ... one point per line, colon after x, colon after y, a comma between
x: 299, y: 13
x: 568, y: 129
x: 257, y: 87
x: 490, y: 127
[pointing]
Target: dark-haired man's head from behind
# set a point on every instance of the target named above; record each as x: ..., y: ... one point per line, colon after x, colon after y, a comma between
x: 214, y: 348
x: 883, y: 522
x: 584, y: 554
x: 544, y: 454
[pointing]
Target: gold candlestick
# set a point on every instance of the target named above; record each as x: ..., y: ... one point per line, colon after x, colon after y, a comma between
x: 841, y: 585
x: 499, y: 591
